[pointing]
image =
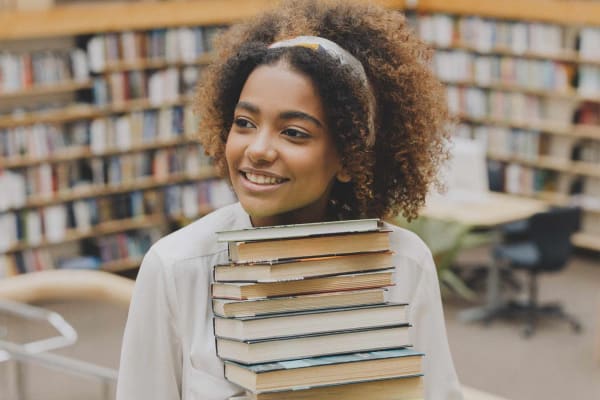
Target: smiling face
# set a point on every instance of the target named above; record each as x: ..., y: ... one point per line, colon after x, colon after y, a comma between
x: 281, y: 157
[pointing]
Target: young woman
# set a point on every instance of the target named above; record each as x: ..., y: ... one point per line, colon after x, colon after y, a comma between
x: 314, y: 111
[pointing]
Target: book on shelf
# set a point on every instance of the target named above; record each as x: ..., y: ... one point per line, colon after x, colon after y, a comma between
x: 325, y: 370
x: 309, y: 246
x: 308, y: 322
x: 246, y: 290
x: 401, y: 388
x: 312, y: 345
x: 300, y: 268
x: 298, y: 230
x: 247, y: 308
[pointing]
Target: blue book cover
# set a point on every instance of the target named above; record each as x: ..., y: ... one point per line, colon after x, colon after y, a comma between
x: 328, y: 360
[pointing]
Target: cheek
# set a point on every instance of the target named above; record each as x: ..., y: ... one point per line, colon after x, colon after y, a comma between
x: 231, y: 149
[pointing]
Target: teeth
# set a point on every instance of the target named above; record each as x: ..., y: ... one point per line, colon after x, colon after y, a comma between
x: 262, y: 179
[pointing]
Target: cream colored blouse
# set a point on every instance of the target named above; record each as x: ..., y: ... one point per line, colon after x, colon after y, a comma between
x: 169, y: 348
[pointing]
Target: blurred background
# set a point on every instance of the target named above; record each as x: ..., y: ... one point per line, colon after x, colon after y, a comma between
x: 98, y: 160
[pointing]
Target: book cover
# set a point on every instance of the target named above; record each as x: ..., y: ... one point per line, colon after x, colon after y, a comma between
x: 396, y: 388
x: 312, y: 345
x: 300, y: 268
x: 299, y: 230
x: 313, y: 321
x: 246, y: 291
x: 310, y: 246
x: 248, y: 308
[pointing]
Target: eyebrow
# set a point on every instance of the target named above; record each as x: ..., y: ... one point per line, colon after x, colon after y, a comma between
x: 284, y: 115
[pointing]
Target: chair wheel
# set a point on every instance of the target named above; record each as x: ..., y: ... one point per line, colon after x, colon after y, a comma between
x: 576, y: 327
x: 527, y: 331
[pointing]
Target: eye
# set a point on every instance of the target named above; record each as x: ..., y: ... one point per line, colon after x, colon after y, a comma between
x: 295, y: 133
x: 243, y: 123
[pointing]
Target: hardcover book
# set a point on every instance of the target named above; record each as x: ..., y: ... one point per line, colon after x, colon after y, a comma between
x: 404, y: 388
x: 299, y: 268
x: 306, y: 322
x: 299, y: 230
x: 312, y: 345
x: 310, y: 246
x: 248, y: 308
x: 244, y: 291
x: 325, y: 370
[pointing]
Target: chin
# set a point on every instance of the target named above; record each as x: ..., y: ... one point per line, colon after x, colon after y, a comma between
x: 260, y: 210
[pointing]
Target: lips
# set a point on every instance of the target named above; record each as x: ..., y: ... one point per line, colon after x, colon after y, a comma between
x: 259, y: 178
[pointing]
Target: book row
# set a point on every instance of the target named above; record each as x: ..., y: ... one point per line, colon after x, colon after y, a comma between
x: 300, y: 313
x: 191, y: 200
x: 519, y: 142
x: 95, y: 253
x: 462, y: 66
x: 53, y: 223
x: 185, y: 44
x: 115, y: 133
x: 122, y: 246
x: 46, y: 181
x: 518, y: 37
x: 158, y: 86
x: 523, y: 180
x: 516, y: 107
x: 22, y: 71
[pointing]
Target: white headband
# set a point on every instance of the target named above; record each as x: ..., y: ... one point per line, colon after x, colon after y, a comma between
x: 344, y: 58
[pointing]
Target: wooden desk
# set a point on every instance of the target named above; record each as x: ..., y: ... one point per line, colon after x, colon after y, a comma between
x: 482, y: 210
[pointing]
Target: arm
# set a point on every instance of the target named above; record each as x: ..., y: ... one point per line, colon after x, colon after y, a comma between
x: 151, y: 360
x: 428, y: 333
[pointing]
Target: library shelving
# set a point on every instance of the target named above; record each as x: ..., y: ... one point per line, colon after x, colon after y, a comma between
x: 113, y: 118
x: 523, y: 77
x: 98, y: 156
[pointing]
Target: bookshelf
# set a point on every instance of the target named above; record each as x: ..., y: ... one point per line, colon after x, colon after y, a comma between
x: 524, y: 78
x: 143, y: 171
x: 84, y: 95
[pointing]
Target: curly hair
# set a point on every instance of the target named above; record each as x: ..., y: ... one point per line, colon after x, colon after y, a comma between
x: 391, y: 176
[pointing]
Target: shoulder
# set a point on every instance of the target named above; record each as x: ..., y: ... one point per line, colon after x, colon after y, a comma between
x: 408, y: 245
x: 199, y: 238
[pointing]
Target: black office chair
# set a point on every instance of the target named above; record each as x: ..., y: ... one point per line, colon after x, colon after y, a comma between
x: 546, y: 249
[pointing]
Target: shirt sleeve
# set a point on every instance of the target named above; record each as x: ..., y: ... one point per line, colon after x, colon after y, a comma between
x: 151, y: 356
x: 429, y: 335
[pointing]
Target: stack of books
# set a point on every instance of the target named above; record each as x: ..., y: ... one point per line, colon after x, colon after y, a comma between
x: 301, y: 313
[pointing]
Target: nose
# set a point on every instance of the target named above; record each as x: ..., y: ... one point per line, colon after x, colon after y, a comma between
x: 261, y: 149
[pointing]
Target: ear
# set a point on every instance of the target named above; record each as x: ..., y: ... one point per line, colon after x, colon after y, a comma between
x: 343, y: 176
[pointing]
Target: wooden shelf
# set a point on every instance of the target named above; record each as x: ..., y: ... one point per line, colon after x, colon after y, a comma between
x: 544, y: 162
x: 553, y: 128
x: 47, y: 89
x: 79, y: 19
x: 552, y: 163
x: 565, y: 56
x: 586, y: 240
x: 84, y: 152
x: 105, y: 228
x: 148, y: 63
x: 70, y: 113
x: 569, y: 95
x: 587, y: 131
x: 586, y: 168
x: 574, y: 12
x: 95, y: 191
x: 86, y: 111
